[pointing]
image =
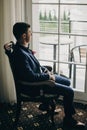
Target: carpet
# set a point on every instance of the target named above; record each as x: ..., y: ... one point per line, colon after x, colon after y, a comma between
x: 31, y: 118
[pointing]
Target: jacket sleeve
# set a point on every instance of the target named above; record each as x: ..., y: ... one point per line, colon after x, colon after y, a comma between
x: 25, y: 71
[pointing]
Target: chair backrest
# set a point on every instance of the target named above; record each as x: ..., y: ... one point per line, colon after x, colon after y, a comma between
x: 78, y: 54
x: 9, y: 47
x: 9, y: 52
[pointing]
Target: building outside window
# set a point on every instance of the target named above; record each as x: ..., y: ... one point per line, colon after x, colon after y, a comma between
x: 57, y: 27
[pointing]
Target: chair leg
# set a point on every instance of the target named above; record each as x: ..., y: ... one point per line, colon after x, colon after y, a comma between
x: 18, y: 110
x: 51, y: 110
x: 49, y: 106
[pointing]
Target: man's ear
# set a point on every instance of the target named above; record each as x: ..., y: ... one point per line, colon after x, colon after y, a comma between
x: 24, y: 36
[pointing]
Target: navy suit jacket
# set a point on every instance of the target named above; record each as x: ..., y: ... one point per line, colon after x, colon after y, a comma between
x: 26, y: 66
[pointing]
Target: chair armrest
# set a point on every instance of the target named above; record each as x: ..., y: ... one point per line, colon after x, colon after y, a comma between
x: 51, y: 83
x: 48, y: 67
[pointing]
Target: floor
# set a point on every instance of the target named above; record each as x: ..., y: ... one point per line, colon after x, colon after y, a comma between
x: 32, y: 118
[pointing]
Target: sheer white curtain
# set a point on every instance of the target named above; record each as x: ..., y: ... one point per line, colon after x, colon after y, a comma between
x: 10, y: 12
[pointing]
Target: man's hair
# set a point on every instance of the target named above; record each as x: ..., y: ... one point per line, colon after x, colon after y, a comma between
x: 19, y: 28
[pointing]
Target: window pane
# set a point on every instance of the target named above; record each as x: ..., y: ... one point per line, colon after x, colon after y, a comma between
x: 66, y: 44
x: 74, y: 1
x: 45, y: 45
x: 74, y: 19
x: 64, y: 69
x: 80, y: 77
x: 46, y: 18
x: 45, y: 1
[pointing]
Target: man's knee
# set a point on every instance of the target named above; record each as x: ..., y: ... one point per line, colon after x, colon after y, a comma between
x: 71, y: 93
x: 68, y: 82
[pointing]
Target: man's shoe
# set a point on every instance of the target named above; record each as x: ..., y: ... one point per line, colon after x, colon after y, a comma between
x: 80, y: 126
x: 72, y: 123
x: 69, y: 122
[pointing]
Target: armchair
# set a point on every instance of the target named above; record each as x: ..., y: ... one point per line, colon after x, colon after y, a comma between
x: 22, y: 97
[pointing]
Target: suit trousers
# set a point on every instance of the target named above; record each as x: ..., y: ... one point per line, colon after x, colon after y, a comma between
x: 63, y: 88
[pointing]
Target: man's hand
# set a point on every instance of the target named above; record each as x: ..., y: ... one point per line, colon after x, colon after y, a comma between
x: 8, y: 45
x: 52, y: 77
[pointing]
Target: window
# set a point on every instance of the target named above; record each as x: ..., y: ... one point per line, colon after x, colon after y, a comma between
x: 58, y: 26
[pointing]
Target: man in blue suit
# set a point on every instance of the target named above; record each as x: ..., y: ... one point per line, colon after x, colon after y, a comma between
x: 28, y: 68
